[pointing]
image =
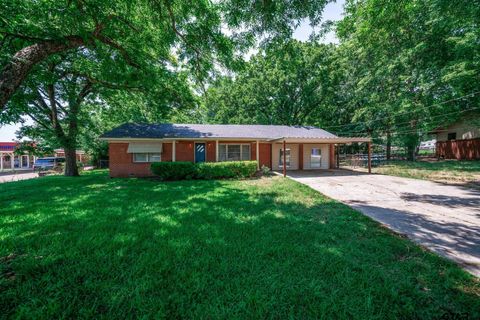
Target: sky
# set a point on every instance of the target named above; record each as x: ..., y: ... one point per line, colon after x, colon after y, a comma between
x: 333, y: 11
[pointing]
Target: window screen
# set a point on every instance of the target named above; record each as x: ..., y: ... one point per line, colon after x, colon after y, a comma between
x: 140, y: 157
x: 287, y: 157
x: 315, y: 158
x: 233, y: 152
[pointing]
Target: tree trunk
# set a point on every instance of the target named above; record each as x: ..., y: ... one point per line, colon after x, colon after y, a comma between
x: 411, y: 151
x: 17, y: 69
x: 71, y: 168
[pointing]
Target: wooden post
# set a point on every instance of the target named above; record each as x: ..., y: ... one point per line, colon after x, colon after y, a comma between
x: 257, y: 155
x: 174, y: 150
x: 284, y: 158
x: 369, y: 157
x: 1, y: 161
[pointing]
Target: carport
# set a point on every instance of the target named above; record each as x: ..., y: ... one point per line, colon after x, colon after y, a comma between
x: 302, y: 143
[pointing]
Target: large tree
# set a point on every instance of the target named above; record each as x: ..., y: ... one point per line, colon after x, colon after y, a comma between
x: 141, y: 32
x: 58, y: 56
x: 411, y: 65
x: 287, y: 83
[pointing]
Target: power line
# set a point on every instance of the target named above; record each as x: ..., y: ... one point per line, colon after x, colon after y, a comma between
x: 406, y: 122
x: 410, y: 111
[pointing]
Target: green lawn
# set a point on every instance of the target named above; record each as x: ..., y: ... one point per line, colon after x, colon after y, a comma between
x: 94, y: 247
x: 449, y: 171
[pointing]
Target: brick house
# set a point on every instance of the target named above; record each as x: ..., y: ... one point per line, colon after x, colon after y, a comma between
x: 132, y: 147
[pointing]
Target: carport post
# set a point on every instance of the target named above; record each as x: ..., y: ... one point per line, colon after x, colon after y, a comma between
x: 284, y: 159
x: 369, y: 157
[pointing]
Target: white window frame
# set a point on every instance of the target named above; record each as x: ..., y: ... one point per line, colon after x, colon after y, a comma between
x: 241, y: 151
x: 148, y: 157
x: 288, y: 157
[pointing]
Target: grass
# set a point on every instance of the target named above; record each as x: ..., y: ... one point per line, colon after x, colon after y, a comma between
x: 94, y: 247
x: 448, y: 171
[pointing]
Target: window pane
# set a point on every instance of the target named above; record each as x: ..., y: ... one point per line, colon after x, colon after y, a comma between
x: 154, y: 157
x: 245, y: 152
x: 287, y: 156
x: 139, y: 157
x: 233, y: 152
x: 315, y: 158
x: 222, y: 152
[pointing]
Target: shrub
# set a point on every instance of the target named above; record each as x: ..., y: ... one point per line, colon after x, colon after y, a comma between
x: 178, y: 170
x: 225, y: 170
x: 206, y: 170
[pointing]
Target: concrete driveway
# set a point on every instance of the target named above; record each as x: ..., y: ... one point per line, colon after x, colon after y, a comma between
x: 443, y: 218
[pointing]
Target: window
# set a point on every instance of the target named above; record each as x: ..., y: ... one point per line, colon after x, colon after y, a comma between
x: 315, y: 158
x: 452, y: 136
x: 146, y: 157
x: 287, y: 158
x: 233, y: 152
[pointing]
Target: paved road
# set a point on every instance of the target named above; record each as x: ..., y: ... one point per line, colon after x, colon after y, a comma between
x: 444, y: 218
x: 17, y: 176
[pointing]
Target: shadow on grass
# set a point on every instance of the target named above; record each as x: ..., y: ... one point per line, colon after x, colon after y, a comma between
x: 266, y: 248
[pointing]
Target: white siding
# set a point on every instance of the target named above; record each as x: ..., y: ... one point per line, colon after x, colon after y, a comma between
x: 293, y: 156
x: 307, y: 149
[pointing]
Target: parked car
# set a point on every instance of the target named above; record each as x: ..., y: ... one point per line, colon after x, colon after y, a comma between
x: 48, y: 163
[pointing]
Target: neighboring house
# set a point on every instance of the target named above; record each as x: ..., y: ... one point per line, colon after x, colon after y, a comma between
x: 80, y: 154
x: 132, y: 147
x: 460, y: 140
x: 9, y: 160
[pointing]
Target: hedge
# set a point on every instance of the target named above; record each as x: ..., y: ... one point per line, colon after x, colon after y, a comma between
x: 178, y: 170
x: 205, y: 170
x: 225, y: 170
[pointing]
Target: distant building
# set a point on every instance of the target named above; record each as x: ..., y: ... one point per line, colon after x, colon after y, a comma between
x: 460, y: 141
x: 11, y: 161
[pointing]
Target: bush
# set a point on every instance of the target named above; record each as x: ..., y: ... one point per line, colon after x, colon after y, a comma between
x: 205, y: 170
x: 225, y: 170
x: 178, y: 170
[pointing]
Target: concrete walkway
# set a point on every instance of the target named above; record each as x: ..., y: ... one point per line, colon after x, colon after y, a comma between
x: 9, y: 177
x: 443, y: 218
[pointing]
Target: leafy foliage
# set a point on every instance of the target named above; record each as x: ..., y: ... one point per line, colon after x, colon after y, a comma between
x: 225, y: 170
x: 180, y: 170
x: 177, y: 170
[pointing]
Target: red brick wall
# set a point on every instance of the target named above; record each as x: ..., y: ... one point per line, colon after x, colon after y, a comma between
x: 184, y: 151
x: 121, y: 163
x: 265, y: 153
x: 331, y: 154
x: 211, y: 153
x: 167, y: 152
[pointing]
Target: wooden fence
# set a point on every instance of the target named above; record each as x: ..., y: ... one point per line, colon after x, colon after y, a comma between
x: 468, y: 149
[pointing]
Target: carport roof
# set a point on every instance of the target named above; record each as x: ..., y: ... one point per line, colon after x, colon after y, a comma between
x: 221, y: 131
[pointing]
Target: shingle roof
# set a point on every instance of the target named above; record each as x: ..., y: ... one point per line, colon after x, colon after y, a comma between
x: 169, y: 131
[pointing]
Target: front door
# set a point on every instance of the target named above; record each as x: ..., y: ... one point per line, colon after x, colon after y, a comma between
x: 200, y: 152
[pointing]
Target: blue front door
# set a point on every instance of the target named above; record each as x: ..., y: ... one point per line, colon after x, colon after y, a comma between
x: 199, y: 152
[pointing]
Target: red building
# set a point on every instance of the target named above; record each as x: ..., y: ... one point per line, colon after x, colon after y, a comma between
x: 133, y: 147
